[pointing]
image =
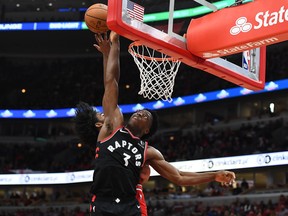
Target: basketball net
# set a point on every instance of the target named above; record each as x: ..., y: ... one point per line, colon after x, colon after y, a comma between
x: 157, y: 72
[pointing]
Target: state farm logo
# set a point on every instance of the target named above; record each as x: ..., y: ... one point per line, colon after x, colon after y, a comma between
x: 210, y: 55
x: 262, y: 19
x: 241, y: 26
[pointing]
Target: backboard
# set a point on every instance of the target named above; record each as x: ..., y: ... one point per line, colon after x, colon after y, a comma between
x: 130, y: 20
x: 238, y: 28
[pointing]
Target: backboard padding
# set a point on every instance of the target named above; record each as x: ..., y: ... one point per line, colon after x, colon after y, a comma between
x: 174, y: 47
x: 235, y: 29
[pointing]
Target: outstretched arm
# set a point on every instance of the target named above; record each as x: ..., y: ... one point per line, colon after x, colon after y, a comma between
x: 113, y: 115
x: 169, y: 172
x: 103, y: 45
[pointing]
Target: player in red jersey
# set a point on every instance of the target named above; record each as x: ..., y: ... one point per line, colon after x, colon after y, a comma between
x: 144, y: 177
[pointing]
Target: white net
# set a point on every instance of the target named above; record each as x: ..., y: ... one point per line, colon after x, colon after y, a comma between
x: 157, y: 72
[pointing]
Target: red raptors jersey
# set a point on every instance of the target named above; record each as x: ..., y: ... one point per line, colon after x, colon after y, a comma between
x: 141, y: 199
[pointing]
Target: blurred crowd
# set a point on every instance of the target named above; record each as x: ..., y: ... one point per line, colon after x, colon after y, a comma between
x: 66, y: 81
x: 62, y: 152
x: 177, y: 145
x: 246, y: 207
x: 212, y: 142
x: 238, y: 206
x: 51, y: 211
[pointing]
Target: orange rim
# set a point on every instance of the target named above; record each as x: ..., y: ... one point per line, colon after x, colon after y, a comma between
x: 137, y: 44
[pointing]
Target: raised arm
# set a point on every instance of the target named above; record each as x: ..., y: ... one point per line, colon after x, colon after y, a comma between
x: 166, y: 170
x: 113, y: 115
x: 103, y: 45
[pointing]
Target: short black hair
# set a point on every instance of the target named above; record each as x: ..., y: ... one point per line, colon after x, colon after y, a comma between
x: 85, y: 120
x: 154, y: 126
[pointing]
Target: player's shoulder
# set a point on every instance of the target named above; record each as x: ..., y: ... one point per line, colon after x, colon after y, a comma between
x: 153, y: 153
x: 106, y: 133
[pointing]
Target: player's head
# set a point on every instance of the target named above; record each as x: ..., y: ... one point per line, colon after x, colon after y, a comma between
x: 88, y: 123
x: 145, y: 121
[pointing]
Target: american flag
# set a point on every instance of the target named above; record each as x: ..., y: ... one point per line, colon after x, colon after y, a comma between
x: 135, y: 11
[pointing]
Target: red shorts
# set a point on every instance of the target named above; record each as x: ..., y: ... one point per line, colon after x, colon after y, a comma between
x: 141, y: 199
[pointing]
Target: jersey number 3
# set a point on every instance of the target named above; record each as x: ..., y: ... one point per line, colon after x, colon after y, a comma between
x: 126, y: 158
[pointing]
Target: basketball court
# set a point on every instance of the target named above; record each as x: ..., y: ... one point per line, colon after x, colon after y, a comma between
x: 216, y: 31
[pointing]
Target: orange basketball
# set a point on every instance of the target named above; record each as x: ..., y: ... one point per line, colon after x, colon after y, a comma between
x: 95, y: 18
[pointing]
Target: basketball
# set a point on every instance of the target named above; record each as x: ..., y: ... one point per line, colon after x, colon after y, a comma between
x: 95, y: 18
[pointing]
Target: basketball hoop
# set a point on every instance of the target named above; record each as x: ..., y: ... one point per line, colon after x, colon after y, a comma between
x: 157, y: 71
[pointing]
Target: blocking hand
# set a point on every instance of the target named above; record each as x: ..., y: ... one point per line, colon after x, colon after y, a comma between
x: 225, y: 177
x: 103, y: 43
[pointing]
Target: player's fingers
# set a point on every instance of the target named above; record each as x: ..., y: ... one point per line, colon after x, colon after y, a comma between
x: 98, y: 38
x: 224, y: 184
x: 96, y: 46
x: 105, y: 36
x: 231, y: 174
x: 232, y: 177
x: 228, y: 177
